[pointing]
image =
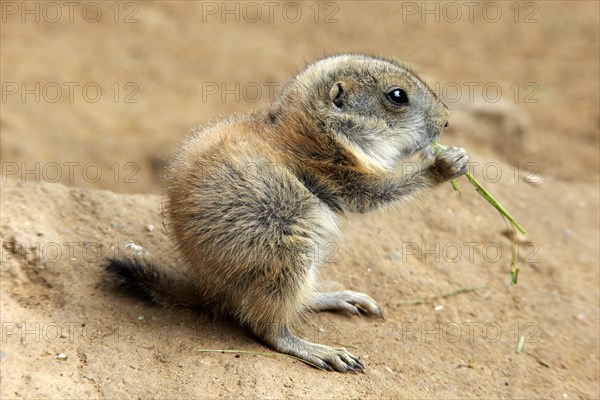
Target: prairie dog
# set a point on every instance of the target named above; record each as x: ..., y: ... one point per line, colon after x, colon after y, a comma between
x: 250, y: 197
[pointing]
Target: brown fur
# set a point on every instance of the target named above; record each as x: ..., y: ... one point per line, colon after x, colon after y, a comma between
x: 250, y: 198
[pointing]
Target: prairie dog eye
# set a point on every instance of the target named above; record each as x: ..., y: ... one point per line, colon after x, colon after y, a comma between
x: 397, y: 96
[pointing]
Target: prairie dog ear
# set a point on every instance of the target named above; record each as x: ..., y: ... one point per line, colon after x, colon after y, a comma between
x: 338, y: 94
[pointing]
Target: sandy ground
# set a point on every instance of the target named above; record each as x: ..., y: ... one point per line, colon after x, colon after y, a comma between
x: 81, y: 178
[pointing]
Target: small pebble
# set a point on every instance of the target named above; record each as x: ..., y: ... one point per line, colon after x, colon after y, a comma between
x: 149, y: 227
x: 438, y: 308
x: 61, y: 356
x: 568, y: 233
x: 393, y: 256
x: 137, y: 249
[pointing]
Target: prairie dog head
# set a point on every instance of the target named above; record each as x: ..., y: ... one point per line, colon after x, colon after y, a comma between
x: 378, y: 107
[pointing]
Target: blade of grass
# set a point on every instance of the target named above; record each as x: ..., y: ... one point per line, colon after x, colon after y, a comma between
x: 259, y: 353
x: 428, y: 299
x: 511, y: 222
x: 520, y: 345
x: 541, y: 361
x: 514, y: 270
x: 490, y: 199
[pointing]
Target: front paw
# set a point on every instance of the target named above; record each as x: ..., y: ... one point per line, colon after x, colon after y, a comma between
x: 450, y: 164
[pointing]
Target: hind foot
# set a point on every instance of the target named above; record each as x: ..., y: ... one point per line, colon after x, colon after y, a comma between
x: 320, y: 356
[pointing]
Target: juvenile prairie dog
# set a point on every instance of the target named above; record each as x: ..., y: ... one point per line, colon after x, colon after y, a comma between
x: 251, y: 197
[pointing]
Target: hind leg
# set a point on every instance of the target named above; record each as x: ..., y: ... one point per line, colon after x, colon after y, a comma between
x: 349, y: 301
x: 325, y: 357
x: 271, y: 306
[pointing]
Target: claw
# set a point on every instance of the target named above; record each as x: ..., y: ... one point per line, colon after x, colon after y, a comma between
x: 327, y: 367
x: 357, y: 361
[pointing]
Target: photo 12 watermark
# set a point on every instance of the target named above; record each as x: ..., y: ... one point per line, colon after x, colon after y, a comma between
x: 27, y: 332
x: 449, y: 92
x: 71, y: 92
x: 125, y: 12
x: 70, y: 172
x: 319, y: 12
x: 467, y: 331
x: 52, y: 252
x: 451, y: 12
x: 455, y: 252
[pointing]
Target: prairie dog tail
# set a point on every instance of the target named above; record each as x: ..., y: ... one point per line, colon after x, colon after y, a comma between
x: 141, y: 278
